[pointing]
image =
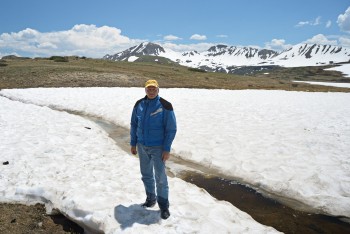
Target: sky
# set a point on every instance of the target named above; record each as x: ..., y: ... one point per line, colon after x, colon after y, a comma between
x: 96, y: 28
x: 292, y: 145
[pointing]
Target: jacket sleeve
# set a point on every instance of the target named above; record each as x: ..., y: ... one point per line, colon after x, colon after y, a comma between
x: 170, y: 130
x: 133, y: 127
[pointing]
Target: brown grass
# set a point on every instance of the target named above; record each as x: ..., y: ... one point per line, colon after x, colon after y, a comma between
x: 31, y: 73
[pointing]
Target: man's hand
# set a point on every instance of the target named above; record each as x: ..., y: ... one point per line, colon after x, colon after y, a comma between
x: 165, y: 156
x: 133, y: 150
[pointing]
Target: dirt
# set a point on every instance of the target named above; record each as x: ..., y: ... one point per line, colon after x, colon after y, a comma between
x: 18, y: 218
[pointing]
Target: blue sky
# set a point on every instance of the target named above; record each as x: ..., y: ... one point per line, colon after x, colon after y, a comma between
x: 95, y: 28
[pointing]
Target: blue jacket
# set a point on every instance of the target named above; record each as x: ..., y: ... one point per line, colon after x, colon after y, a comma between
x: 153, y: 123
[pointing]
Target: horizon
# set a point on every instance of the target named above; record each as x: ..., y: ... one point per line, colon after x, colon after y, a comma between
x: 90, y: 29
x: 72, y: 55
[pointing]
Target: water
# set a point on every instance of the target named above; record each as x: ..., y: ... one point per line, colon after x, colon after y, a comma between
x: 263, y: 209
x: 266, y: 210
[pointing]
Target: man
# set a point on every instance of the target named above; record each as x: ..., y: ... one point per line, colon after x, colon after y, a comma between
x: 153, y: 129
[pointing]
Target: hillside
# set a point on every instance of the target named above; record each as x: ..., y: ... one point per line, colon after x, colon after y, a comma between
x: 82, y: 72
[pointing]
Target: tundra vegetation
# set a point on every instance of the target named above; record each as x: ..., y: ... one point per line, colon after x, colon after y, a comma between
x: 74, y: 71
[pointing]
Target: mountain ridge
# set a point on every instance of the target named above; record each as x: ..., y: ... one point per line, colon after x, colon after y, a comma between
x: 225, y: 58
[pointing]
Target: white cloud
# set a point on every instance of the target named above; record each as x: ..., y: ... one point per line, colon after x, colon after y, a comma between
x: 81, y: 40
x: 198, y: 37
x: 315, y: 22
x: 328, y: 24
x: 172, y: 38
x: 277, y: 44
x: 200, y: 47
x: 47, y: 45
x: 344, y: 41
x: 344, y: 21
x: 222, y: 36
x: 302, y: 23
x: 321, y: 39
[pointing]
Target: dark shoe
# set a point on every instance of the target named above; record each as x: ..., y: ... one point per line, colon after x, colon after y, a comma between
x: 164, y: 214
x: 149, y: 203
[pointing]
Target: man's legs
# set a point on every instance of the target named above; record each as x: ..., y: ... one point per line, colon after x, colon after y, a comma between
x: 149, y: 157
x: 162, y: 186
x: 146, y: 168
x: 152, y: 157
x: 161, y: 177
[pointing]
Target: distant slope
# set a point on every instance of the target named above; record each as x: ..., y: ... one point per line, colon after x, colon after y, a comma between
x: 229, y: 59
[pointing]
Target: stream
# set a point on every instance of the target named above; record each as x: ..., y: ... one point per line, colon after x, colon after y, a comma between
x: 265, y: 208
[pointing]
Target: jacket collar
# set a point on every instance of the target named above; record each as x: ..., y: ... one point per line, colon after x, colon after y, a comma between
x: 151, y: 100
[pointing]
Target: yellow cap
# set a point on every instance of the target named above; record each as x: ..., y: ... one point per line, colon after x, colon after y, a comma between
x: 151, y: 83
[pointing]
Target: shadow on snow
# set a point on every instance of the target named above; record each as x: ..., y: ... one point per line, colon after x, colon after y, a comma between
x: 127, y: 216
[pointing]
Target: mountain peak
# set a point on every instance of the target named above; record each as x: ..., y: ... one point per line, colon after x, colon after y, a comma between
x: 131, y: 54
x: 222, y: 58
x: 217, y: 48
x: 148, y: 48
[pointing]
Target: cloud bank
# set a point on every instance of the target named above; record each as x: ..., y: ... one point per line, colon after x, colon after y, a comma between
x: 277, y: 45
x: 198, y: 37
x: 95, y: 42
x: 321, y: 39
x: 344, y: 21
x: 81, y: 40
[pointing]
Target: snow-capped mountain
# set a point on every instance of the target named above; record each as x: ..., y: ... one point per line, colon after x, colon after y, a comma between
x: 312, y: 55
x: 223, y: 58
x: 135, y: 52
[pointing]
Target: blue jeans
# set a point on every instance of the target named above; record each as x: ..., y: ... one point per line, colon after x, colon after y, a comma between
x: 153, y: 174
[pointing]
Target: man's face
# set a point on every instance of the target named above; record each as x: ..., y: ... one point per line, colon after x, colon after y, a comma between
x: 152, y: 92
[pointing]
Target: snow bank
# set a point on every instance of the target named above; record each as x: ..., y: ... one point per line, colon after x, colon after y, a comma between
x: 294, y: 144
x: 70, y: 164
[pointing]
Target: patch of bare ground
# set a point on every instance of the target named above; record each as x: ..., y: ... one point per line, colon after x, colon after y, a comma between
x: 17, y: 218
